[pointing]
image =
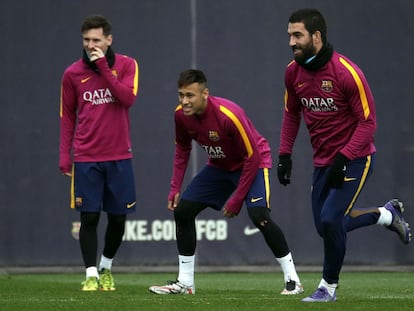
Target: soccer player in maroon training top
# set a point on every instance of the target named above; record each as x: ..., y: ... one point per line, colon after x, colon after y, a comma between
x: 238, y: 168
x: 96, y: 94
x: 337, y: 105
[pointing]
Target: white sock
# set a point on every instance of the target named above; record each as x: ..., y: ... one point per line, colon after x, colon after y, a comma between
x: 186, y: 269
x: 106, y: 263
x: 330, y: 287
x: 92, y: 271
x: 385, y: 218
x: 288, y: 268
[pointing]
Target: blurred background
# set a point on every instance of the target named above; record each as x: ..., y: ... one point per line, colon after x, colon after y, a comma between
x: 242, y: 46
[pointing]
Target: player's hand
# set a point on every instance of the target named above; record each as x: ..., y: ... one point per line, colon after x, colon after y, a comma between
x: 68, y: 174
x: 95, y: 54
x: 228, y: 214
x: 231, y: 208
x: 337, y: 172
x: 173, y: 204
x: 284, y: 169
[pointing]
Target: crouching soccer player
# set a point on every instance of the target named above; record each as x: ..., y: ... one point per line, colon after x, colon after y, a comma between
x: 237, y: 170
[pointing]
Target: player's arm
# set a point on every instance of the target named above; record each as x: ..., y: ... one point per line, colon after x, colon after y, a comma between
x: 67, y: 114
x: 362, y: 104
x: 123, y: 86
x: 240, y: 129
x: 181, y: 157
x: 290, y: 120
x: 289, y: 131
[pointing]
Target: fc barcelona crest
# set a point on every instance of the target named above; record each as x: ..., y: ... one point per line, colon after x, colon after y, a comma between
x: 327, y: 86
x: 75, y: 229
x: 213, y: 135
x: 78, y: 201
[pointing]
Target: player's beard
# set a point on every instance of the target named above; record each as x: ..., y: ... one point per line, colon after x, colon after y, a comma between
x: 307, y: 52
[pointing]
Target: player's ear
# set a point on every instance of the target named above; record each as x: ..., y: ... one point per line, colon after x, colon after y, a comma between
x: 109, y: 39
x: 205, y: 93
x: 317, y: 36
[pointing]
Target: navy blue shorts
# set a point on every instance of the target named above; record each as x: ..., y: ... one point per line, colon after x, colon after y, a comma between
x: 213, y: 186
x: 107, y: 186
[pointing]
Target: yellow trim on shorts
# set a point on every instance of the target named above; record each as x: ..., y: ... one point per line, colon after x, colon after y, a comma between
x: 72, y: 188
x: 361, y: 184
x: 267, y: 185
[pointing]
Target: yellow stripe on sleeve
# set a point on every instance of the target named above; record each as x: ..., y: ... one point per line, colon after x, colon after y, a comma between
x: 61, y: 102
x: 240, y: 127
x: 135, y: 90
x: 286, y: 99
x: 361, y: 89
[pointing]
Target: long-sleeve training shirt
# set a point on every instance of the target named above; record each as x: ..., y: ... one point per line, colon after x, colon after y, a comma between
x: 94, y: 106
x: 230, y: 140
x: 337, y: 107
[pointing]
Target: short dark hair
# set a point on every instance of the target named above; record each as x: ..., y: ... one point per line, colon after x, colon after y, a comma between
x: 313, y: 21
x: 191, y: 76
x: 96, y: 21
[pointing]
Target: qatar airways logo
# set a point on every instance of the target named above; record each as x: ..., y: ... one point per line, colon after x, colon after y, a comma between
x: 317, y: 104
x: 214, y: 152
x: 99, y: 97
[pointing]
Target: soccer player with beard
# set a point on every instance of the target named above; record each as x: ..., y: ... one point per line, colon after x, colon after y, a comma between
x: 238, y: 170
x: 333, y: 96
x: 97, y: 92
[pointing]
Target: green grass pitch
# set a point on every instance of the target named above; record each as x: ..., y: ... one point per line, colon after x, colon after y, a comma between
x: 214, y: 291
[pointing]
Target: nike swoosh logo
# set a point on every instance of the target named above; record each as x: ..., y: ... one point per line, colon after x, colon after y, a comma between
x: 349, y: 178
x: 301, y: 84
x: 250, y: 231
x: 86, y: 79
x: 256, y: 199
x: 131, y: 204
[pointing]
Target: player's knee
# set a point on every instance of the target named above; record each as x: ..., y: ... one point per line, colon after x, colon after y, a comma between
x: 260, y: 216
x: 181, y: 210
x: 329, y: 224
x: 116, y: 221
x: 89, y: 220
x: 329, y: 227
x: 187, y: 210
